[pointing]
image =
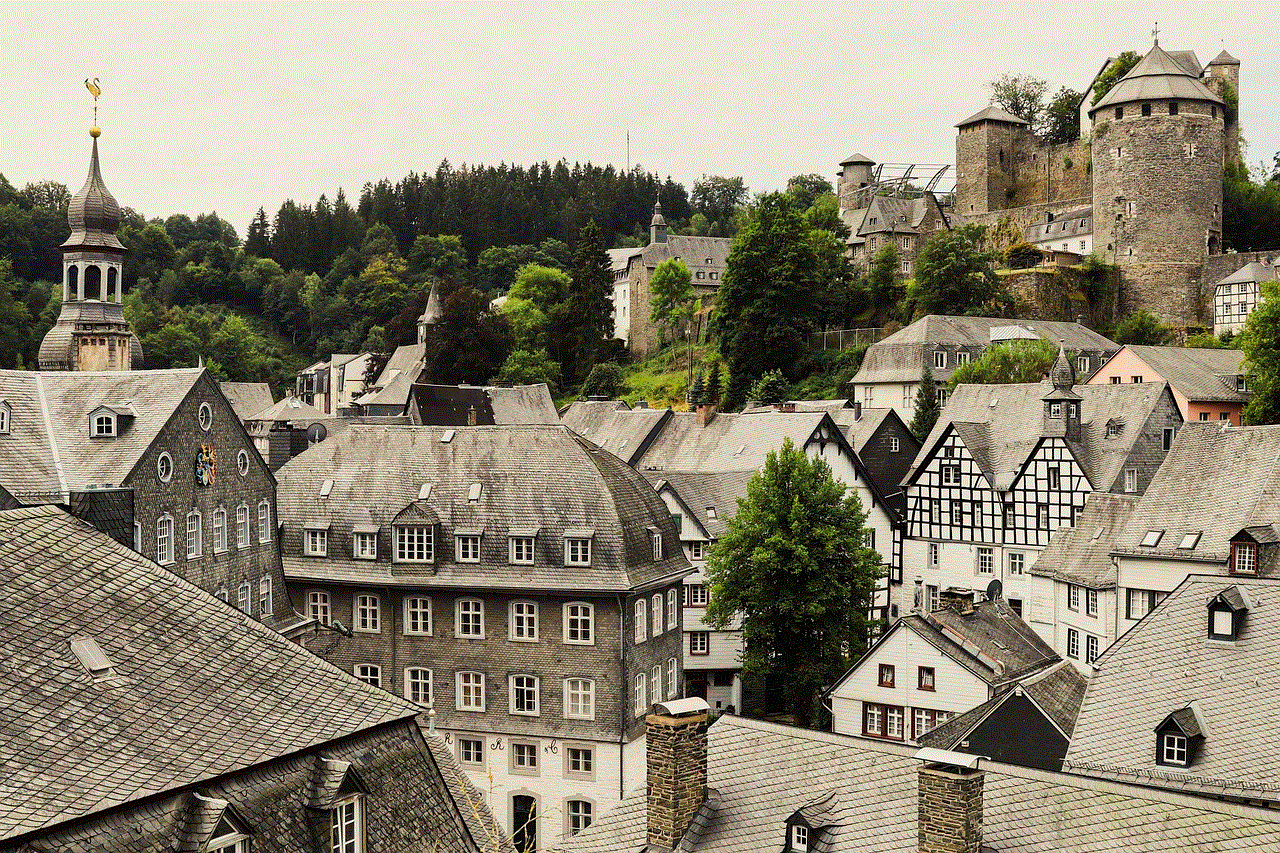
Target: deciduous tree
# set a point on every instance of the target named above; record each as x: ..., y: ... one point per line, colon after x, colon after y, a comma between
x: 1060, y: 120
x: 1020, y: 94
x: 954, y: 274
x: 671, y: 296
x: 1007, y: 362
x: 1260, y: 340
x: 794, y: 565
x: 1119, y: 67
x: 1142, y: 328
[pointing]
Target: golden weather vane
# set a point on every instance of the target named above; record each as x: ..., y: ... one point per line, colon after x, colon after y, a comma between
x: 94, y: 89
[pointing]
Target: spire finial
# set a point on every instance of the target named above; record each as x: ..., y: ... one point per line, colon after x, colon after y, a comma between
x: 1155, y: 34
x: 95, y: 89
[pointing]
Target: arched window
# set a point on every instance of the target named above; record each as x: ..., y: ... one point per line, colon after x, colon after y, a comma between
x: 73, y: 282
x: 195, y: 534
x: 113, y: 284
x: 164, y: 539
x: 92, y: 282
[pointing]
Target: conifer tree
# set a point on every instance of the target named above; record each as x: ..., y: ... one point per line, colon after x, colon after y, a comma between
x: 927, y: 406
x: 715, y: 385
x: 590, y: 301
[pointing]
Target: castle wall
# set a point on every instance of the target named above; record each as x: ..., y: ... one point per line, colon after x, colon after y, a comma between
x: 1059, y: 293
x: 1021, y: 217
x: 1045, y: 173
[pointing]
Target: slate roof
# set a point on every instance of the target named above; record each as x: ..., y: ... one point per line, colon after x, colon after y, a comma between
x: 730, y: 442
x: 889, y: 214
x: 856, y: 158
x: 1068, y: 224
x: 48, y: 451
x: 1199, y: 374
x: 901, y: 356
x: 1057, y: 690
x: 449, y: 405
x: 993, y: 113
x: 620, y: 258
x: 199, y: 689
x: 699, y: 490
x: 246, y: 398
x: 1159, y: 76
x: 612, y: 425
x: 540, y: 477
x: 289, y: 409
x: 762, y: 773
x: 1082, y: 554
x: 1001, y: 425
x: 1165, y: 663
x: 694, y: 251
x: 1254, y: 272
x: 1214, y: 481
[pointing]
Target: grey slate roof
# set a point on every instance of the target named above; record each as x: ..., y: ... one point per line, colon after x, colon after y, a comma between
x: 694, y: 251
x: 1165, y: 663
x: 619, y: 258
x: 93, y: 213
x: 1215, y: 480
x: 762, y: 773
x: 449, y: 405
x: 540, y: 477
x: 246, y: 398
x: 699, y: 490
x: 289, y: 409
x: 856, y: 158
x: 199, y: 689
x: 1159, y: 76
x: 993, y: 113
x: 730, y: 442
x: 612, y: 425
x: 1199, y: 374
x: 1251, y: 272
x: 1002, y: 424
x: 901, y: 356
x: 1082, y: 554
x: 48, y: 450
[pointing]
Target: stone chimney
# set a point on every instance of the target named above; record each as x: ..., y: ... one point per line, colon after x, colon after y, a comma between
x: 676, y: 765
x: 785, y: 407
x: 957, y: 599
x: 950, y: 806
x: 472, y: 416
x: 706, y: 413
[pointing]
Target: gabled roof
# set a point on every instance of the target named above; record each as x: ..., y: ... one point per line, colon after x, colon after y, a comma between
x: 1082, y: 554
x: 694, y: 251
x: 246, y: 398
x: 890, y: 214
x: 1224, y: 58
x: 450, y: 405
x: 1199, y: 374
x: 289, y: 409
x: 993, y: 113
x: 199, y: 689
x: 762, y: 773
x: 610, y: 424
x: 1001, y: 425
x: 539, y: 477
x: 730, y: 442
x: 1252, y: 272
x: 1158, y: 76
x: 619, y: 258
x: 701, y: 491
x: 1215, y: 481
x: 406, y: 358
x: 1164, y: 664
x: 48, y: 451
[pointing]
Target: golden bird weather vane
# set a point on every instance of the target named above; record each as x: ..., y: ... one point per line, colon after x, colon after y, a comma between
x: 95, y: 89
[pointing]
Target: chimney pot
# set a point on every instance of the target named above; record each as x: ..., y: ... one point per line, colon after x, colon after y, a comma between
x: 706, y: 413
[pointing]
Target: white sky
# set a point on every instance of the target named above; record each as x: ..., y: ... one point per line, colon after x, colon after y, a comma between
x: 232, y: 106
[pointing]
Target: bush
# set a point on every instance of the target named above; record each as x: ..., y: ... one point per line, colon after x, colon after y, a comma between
x: 1022, y: 255
x: 604, y: 380
x: 1141, y: 327
x: 528, y: 368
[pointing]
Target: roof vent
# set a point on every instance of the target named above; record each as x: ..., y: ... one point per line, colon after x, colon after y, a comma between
x: 448, y: 436
x: 92, y: 657
x: 326, y: 488
x: 425, y: 491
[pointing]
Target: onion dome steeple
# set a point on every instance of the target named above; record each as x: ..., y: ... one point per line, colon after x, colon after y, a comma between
x: 657, y: 225
x: 93, y: 213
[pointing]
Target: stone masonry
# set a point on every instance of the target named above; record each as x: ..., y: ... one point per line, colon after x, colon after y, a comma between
x: 950, y: 810
x: 676, y: 763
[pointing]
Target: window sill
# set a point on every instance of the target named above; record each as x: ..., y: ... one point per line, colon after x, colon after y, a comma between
x: 366, y: 630
x: 417, y: 633
x: 470, y: 710
x: 579, y: 642
x: 522, y: 639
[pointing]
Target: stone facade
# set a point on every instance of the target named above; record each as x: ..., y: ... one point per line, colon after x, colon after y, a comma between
x: 676, y: 769
x: 1001, y: 166
x: 950, y: 810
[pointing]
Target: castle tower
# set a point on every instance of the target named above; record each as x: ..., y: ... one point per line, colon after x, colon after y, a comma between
x: 1158, y: 139
x: 855, y: 174
x: 1222, y: 77
x: 658, y: 225
x: 91, y: 332
x: 986, y: 161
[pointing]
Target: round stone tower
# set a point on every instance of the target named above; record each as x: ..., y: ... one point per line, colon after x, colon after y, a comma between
x: 91, y: 332
x: 1157, y: 149
x: 855, y: 174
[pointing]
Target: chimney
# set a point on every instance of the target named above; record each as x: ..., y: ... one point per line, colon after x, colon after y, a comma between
x: 857, y: 410
x: 785, y: 407
x: 472, y: 416
x: 676, y: 765
x: 706, y: 413
x: 640, y: 404
x: 958, y: 599
x: 949, y: 798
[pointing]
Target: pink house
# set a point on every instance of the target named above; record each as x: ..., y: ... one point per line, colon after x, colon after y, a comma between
x: 1208, y: 384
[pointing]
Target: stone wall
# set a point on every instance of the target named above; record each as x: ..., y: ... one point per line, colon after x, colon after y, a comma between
x: 950, y: 811
x: 1050, y: 174
x: 676, y: 769
x: 1060, y: 293
x: 1020, y: 217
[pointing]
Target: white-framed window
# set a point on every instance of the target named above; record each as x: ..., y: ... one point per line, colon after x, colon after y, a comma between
x: 580, y: 698
x: 883, y: 721
x: 1173, y: 749
x: 657, y: 546
x: 640, y: 703
x: 1244, y: 558
x: 1091, y: 602
x: 5, y: 411
x: 962, y: 357
x: 368, y: 614
x: 470, y: 691
x: 242, y: 526
x: 315, y: 542
x: 318, y: 606
x: 417, y: 685
x: 346, y: 826
x: 950, y: 475
x: 932, y: 596
x: 1042, y: 516
x: 266, y: 600
x: 1017, y: 563
x: 229, y: 842
x: 580, y: 814
x: 579, y: 628
x: 471, y: 750
x: 1090, y: 648
x: 521, y: 550
x: 469, y: 618
x: 655, y: 683
x: 671, y: 609
x: 137, y: 537
x: 195, y: 534
x: 939, y: 358
x: 698, y: 550
x: 468, y: 548
x: 364, y: 545
x: 103, y: 425
x: 264, y: 521
x: 524, y: 757
x: 417, y: 615
x: 986, y: 561
x: 1055, y: 478
x: 164, y: 539
x: 524, y: 695
x: 577, y: 551
x: 641, y: 619
x: 671, y: 678
x: 1073, y: 643
x: 205, y: 416
x: 799, y: 838
x: 524, y: 620
x: 415, y: 543
x: 655, y: 612
x: 933, y: 553
x: 242, y: 462
x: 1131, y: 479
x: 244, y: 597
x: 695, y: 595
x: 579, y: 762
x: 699, y: 642
x: 1082, y: 361
x: 894, y: 444
x: 1140, y: 602
x: 164, y: 467
x: 1073, y: 597
x: 219, y: 530
x: 369, y: 673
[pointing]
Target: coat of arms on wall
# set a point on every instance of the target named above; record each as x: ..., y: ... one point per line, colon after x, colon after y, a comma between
x: 207, y: 465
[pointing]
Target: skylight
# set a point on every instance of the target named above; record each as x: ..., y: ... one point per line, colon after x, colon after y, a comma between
x: 1190, y: 540
x: 1152, y: 539
x: 448, y: 436
x: 473, y: 494
x: 325, y: 488
x: 92, y: 657
x: 424, y: 492
x: 711, y: 512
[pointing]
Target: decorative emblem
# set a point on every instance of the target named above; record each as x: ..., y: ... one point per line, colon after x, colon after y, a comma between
x: 207, y: 465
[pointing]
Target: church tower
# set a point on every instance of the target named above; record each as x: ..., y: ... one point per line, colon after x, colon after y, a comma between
x: 91, y: 332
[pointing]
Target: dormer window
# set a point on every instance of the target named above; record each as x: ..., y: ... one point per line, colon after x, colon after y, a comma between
x: 228, y: 837
x: 1227, y: 611
x: 1178, y: 737
x: 103, y: 424
x: 415, y: 543
x: 799, y: 839
x: 577, y: 549
x: 6, y: 412
x: 1244, y: 558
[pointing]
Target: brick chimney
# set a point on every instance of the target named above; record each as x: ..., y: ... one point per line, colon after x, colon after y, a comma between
x: 950, y: 804
x: 472, y: 416
x: 676, y: 764
x: 784, y: 407
x: 957, y: 599
x: 706, y: 413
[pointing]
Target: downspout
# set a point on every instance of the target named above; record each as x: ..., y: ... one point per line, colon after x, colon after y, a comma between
x: 395, y: 645
x: 622, y: 701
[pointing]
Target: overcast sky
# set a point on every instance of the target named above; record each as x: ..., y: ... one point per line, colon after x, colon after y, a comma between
x: 233, y: 106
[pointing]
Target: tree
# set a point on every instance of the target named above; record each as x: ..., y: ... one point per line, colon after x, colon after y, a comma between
x: 470, y: 343
x: 1007, y: 362
x: 437, y: 256
x: 927, y: 406
x: 257, y: 240
x: 1060, y: 120
x: 954, y: 274
x: 1260, y: 341
x: 15, y: 322
x: 807, y: 188
x: 590, y: 302
x: 882, y: 280
x: 671, y: 296
x: 716, y: 198
x: 769, y: 297
x: 795, y: 566
x: 605, y: 380
x: 715, y: 384
x: 1020, y: 94
x: 770, y: 389
x: 1142, y: 328
x: 1113, y: 73
x: 528, y: 368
